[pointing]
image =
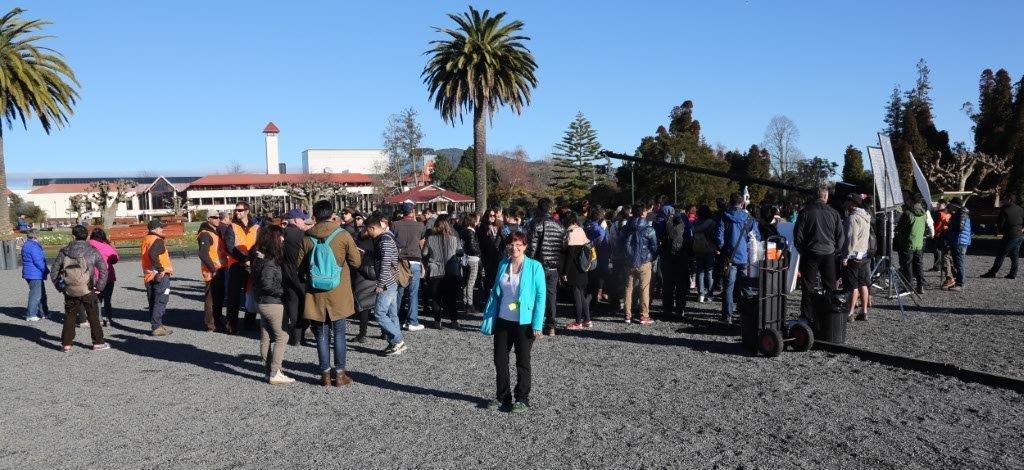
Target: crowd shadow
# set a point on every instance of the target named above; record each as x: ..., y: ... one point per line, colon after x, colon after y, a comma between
x: 36, y: 335
x: 175, y: 291
x: 716, y: 347
x: 910, y: 307
x: 187, y: 354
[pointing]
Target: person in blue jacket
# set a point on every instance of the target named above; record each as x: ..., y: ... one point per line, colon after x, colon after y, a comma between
x: 35, y: 272
x: 515, y: 317
x: 958, y: 238
x: 733, y: 230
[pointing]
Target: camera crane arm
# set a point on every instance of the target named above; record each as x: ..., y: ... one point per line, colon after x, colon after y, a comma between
x: 707, y: 171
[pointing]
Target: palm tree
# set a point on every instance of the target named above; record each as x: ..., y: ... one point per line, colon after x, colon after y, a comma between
x: 34, y: 82
x: 481, y: 65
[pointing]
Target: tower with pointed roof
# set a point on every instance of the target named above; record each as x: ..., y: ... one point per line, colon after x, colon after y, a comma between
x: 270, y: 136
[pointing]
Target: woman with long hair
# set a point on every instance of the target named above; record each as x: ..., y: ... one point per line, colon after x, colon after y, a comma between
x: 442, y: 255
x: 98, y: 239
x: 268, y: 286
x: 515, y: 317
x: 704, y: 251
x: 471, y: 244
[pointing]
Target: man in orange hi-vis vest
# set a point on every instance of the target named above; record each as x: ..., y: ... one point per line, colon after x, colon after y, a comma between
x: 239, y: 240
x: 213, y: 256
x: 156, y: 272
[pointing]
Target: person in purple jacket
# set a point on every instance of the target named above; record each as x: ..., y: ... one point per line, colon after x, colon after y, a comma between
x: 35, y: 272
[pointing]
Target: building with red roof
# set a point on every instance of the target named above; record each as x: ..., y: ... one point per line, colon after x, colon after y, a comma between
x: 436, y: 198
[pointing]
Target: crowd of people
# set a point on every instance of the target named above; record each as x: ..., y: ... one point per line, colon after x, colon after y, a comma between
x: 294, y: 276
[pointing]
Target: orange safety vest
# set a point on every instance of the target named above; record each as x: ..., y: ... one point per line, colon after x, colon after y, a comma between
x: 245, y: 239
x: 218, y: 252
x: 147, y: 266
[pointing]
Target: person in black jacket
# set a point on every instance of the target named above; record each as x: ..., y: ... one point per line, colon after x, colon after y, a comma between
x: 573, y: 273
x: 819, y: 238
x: 364, y: 282
x: 294, y: 285
x: 268, y: 285
x: 546, y: 242
x: 492, y: 247
x: 471, y: 245
x: 1011, y: 227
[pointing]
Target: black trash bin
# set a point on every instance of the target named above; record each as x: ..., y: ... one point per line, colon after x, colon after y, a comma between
x: 829, y: 317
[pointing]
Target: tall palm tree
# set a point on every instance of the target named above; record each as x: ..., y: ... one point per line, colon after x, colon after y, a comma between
x: 481, y: 65
x: 35, y: 82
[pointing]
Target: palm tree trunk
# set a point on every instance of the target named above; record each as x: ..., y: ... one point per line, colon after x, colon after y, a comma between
x: 5, y: 202
x: 480, y: 147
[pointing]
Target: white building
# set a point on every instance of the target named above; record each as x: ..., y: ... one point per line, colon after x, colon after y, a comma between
x: 154, y: 198
x: 217, y: 193
x: 341, y: 160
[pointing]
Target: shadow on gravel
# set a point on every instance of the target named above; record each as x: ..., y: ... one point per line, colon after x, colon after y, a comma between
x: 174, y: 291
x: 30, y: 333
x: 950, y: 310
x: 733, y: 349
x: 186, y: 354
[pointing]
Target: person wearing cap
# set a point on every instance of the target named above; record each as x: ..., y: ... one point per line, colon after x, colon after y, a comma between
x: 213, y: 256
x: 156, y: 273
x: 409, y: 237
x: 294, y: 288
x: 34, y: 271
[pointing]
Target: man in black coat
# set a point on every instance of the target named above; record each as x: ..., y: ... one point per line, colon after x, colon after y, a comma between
x: 546, y: 241
x: 819, y: 238
x: 294, y: 287
x: 1011, y: 227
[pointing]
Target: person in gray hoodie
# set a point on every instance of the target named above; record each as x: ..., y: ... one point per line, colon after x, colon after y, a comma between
x: 856, y: 263
x: 80, y: 273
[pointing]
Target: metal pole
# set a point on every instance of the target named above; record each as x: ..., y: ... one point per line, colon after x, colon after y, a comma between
x: 632, y: 184
x: 675, y: 187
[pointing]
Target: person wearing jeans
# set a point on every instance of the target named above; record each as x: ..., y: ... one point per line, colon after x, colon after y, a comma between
x: 386, y: 264
x: 471, y: 246
x: 958, y: 236
x: 734, y: 230
x: 322, y: 331
x: 1011, y: 227
x: 34, y: 271
x: 409, y: 238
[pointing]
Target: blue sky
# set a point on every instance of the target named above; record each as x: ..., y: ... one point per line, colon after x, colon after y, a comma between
x: 186, y: 87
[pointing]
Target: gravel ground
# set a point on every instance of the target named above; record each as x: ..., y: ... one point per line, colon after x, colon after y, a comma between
x: 621, y: 396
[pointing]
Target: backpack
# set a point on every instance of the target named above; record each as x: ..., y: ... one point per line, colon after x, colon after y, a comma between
x: 587, y: 260
x: 403, y: 273
x: 75, y: 278
x: 324, y: 271
x: 702, y: 243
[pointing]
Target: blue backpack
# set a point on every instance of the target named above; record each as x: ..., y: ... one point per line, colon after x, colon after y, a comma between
x: 324, y: 271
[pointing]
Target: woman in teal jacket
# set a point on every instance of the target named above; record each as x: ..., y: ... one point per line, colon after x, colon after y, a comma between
x: 515, y: 317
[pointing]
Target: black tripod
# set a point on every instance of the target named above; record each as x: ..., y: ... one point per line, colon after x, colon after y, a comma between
x: 885, y: 276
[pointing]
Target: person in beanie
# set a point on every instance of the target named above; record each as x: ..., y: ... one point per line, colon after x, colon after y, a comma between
x: 856, y: 264
x: 156, y: 273
x: 213, y: 257
x: 80, y: 273
x: 1011, y: 227
x: 34, y: 271
x: 911, y: 231
x: 328, y: 310
x: 958, y: 238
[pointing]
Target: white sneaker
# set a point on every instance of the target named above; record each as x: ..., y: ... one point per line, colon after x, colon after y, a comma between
x: 414, y: 327
x: 405, y: 327
x: 700, y: 299
x: 281, y: 379
x: 32, y: 319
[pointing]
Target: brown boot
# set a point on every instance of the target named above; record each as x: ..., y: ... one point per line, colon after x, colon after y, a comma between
x: 949, y: 283
x: 326, y: 376
x: 342, y: 379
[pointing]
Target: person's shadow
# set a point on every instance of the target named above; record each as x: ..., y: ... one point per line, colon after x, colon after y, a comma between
x: 38, y: 336
x: 188, y: 354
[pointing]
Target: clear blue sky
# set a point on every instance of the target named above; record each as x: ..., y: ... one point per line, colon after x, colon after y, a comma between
x: 186, y: 87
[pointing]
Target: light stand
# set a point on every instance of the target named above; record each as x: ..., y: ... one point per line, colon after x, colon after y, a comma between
x: 885, y: 276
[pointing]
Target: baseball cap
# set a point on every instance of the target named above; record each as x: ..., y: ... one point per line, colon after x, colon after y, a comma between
x: 408, y: 208
x: 155, y: 224
x: 296, y: 214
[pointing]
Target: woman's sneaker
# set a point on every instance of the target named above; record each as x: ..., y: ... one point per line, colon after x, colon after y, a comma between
x: 280, y: 379
x: 100, y: 347
x: 574, y: 326
x: 588, y: 324
x: 66, y: 348
x: 520, y: 407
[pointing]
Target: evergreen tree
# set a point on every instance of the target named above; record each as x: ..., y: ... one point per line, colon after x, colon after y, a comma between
x: 574, y: 159
x: 756, y: 163
x: 1016, y: 145
x: 982, y: 119
x: 853, y: 169
x: 894, y: 114
x: 992, y: 134
x: 912, y: 142
x: 443, y: 170
x: 681, y: 120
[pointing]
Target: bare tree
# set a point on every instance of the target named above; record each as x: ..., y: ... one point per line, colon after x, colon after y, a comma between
x: 314, y: 189
x: 387, y: 181
x: 178, y: 202
x: 514, y: 169
x: 234, y: 168
x: 965, y: 170
x: 79, y: 204
x: 780, y: 139
x: 107, y: 195
x: 402, y: 138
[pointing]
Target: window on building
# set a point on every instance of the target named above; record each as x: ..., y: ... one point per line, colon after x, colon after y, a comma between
x: 128, y: 204
x: 206, y: 201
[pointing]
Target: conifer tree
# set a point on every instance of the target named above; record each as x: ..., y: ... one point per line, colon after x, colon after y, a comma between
x: 853, y: 169
x: 1016, y: 145
x: 992, y: 134
x: 574, y: 159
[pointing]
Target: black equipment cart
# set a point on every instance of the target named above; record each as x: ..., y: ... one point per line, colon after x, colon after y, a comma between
x: 764, y: 327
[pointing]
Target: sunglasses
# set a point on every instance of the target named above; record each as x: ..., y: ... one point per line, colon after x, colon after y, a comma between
x: 240, y: 210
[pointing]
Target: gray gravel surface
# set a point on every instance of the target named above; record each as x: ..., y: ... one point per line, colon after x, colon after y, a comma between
x: 617, y: 396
